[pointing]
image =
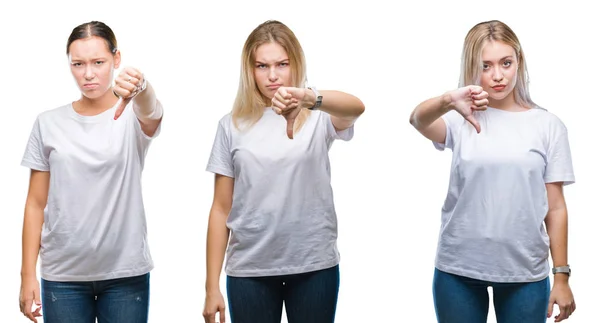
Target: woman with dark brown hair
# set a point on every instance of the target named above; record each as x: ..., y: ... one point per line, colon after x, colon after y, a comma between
x: 84, y: 214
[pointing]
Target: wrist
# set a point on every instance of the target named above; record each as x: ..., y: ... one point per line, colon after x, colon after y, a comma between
x: 310, y: 98
x: 560, y: 278
x: 28, y: 275
x: 446, y: 102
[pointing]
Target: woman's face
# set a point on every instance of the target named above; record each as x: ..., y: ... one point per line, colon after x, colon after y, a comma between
x: 499, y: 75
x: 271, y: 69
x: 92, y: 65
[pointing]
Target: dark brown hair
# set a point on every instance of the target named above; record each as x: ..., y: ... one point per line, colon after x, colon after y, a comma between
x: 94, y: 28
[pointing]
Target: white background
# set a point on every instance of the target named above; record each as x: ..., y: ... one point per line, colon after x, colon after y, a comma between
x: 389, y: 182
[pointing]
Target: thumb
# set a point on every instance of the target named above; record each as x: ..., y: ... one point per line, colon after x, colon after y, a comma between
x: 121, y: 104
x: 474, y: 122
x: 36, y: 297
x: 290, y: 126
x: 550, y: 307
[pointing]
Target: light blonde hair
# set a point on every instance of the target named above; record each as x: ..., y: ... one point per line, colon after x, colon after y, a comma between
x: 472, y: 65
x: 249, y: 103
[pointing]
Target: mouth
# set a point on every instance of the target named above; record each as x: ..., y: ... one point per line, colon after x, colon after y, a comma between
x: 499, y: 87
x: 273, y: 86
x: 90, y: 85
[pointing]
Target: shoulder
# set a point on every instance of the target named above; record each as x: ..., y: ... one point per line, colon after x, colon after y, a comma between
x: 51, y: 114
x: 549, y: 119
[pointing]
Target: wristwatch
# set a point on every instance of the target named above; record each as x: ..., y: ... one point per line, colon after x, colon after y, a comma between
x: 562, y: 270
x: 319, y: 98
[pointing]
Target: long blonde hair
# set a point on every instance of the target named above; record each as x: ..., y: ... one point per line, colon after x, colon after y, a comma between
x: 249, y: 103
x: 472, y: 65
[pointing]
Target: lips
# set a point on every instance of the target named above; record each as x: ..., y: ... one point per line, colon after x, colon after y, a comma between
x: 90, y: 85
x: 274, y: 86
x: 498, y: 87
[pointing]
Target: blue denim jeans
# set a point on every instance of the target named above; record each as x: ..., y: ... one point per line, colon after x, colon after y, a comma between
x: 122, y: 300
x: 462, y: 299
x: 309, y: 297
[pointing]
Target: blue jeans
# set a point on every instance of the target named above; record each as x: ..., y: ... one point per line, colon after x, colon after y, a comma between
x: 122, y: 300
x: 309, y: 297
x: 462, y: 299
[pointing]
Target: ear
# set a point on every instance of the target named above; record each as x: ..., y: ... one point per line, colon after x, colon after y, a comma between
x: 117, y: 59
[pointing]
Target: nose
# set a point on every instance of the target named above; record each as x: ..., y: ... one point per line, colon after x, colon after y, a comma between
x: 497, y: 76
x: 273, y: 74
x: 89, y: 73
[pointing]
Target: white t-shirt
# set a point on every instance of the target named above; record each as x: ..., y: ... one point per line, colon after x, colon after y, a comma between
x: 282, y: 219
x: 493, y: 216
x: 94, y: 222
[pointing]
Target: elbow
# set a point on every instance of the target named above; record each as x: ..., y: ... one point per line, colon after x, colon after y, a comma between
x: 413, y: 120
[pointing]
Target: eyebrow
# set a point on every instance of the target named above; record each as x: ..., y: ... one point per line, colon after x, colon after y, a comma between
x: 73, y: 59
x: 503, y: 58
x: 278, y: 62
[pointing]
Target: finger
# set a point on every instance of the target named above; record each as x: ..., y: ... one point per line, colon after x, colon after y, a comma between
x: 122, y: 103
x: 480, y: 96
x: 474, y: 122
x: 278, y: 104
x: 562, y: 314
x: 222, y: 315
x: 475, y: 89
x: 26, y: 309
x: 276, y: 110
x: 126, y: 85
x: 134, y: 72
x: 550, y: 308
x: 290, y: 108
x: 481, y: 102
x: 290, y: 127
x: 36, y: 297
x: 481, y: 108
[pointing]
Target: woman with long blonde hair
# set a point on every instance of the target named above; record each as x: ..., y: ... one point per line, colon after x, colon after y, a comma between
x: 273, y: 211
x: 505, y: 212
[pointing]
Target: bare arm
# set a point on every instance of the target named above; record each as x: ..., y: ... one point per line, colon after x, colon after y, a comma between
x: 33, y: 220
x: 426, y: 118
x: 37, y: 198
x: 218, y: 233
x: 148, y: 110
x: 556, y: 224
x: 344, y: 108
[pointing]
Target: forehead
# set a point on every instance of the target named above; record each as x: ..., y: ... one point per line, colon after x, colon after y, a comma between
x: 494, y: 50
x: 270, y: 52
x: 88, y: 47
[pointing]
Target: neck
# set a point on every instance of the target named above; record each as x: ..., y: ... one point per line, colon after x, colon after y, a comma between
x: 90, y: 107
x: 508, y: 103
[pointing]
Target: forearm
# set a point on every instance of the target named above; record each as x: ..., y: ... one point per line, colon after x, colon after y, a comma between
x: 557, y: 228
x: 32, y: 232
x: 146, y: 106
x: 430, y: 110
x: 216, y: 245
x: 338, y: 104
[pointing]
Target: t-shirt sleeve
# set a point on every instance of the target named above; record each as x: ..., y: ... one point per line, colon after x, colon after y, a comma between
x: 559, y: 166
x: 453, y: 121
x: 332, y: 134
x: 220, y: 160
x: 35, y: 156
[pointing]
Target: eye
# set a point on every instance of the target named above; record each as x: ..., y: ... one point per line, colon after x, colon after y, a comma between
x: 261, y: 65
x: 284, y: 64
x: 99, y: 62
x: 507, y: 63
x: 485, y: 66
x: 76, y: 64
